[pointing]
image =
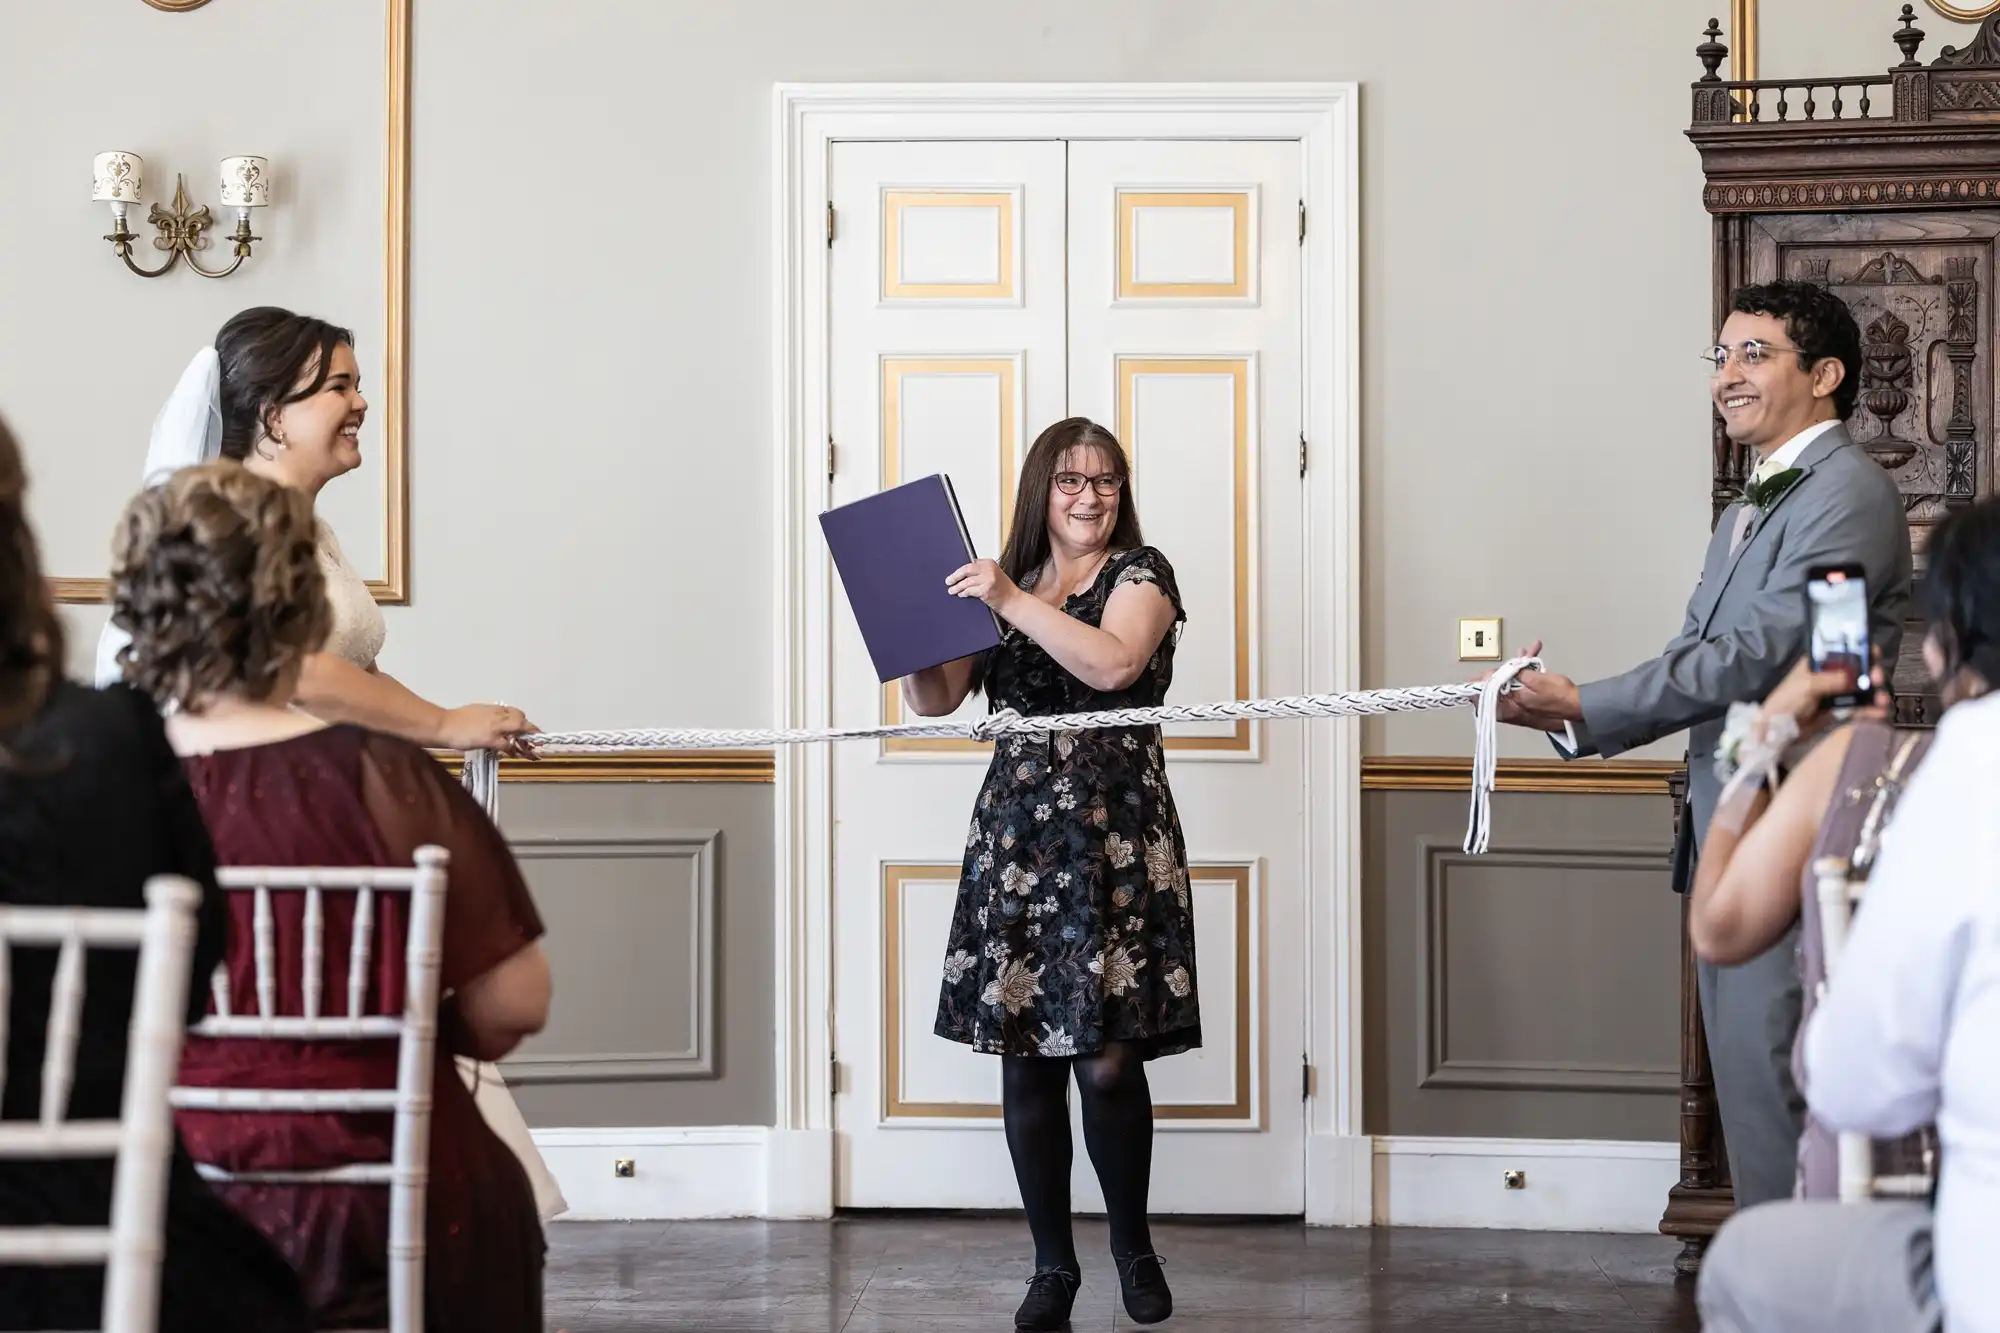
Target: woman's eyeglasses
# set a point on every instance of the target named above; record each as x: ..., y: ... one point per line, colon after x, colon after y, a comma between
x: 1071, y: 483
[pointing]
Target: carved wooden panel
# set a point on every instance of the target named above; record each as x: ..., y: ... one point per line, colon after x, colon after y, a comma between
x: 1920, y: 287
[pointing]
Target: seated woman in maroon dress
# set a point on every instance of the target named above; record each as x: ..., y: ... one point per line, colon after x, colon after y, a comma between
x: 218, y: 583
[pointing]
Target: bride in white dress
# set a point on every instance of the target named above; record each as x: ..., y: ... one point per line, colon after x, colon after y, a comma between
x: 282, y: 393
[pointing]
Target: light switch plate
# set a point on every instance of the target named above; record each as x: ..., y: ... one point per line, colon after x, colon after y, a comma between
x: 1479, y: 640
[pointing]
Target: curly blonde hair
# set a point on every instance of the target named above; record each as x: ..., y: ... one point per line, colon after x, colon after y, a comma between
x: 216, y: 577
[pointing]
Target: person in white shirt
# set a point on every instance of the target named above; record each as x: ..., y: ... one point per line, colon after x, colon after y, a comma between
x: 1786, y: 373
x: 1908, y: 1032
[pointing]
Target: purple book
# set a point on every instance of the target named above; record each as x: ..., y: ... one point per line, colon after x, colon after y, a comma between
x: 894, y: 551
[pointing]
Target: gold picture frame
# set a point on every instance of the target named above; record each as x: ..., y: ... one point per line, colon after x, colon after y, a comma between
x: 393, y: 588
x: 1966, y: 13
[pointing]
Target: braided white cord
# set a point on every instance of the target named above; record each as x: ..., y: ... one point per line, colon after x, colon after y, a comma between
x: 482, y: 767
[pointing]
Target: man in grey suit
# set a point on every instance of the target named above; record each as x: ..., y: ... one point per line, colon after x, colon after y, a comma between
x: 1787, y: 374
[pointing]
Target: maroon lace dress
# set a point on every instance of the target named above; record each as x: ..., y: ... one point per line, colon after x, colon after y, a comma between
x: 336, y: 797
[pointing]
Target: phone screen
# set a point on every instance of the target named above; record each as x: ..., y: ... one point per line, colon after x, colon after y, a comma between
x: 1839, y: 605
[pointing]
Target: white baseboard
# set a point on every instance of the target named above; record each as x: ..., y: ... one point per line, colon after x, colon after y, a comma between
x: 798, y: 1173
x: 677, y: 1173
x: 1340, y: 1180
x: 1570, y: 1184
x: 755, y: 1171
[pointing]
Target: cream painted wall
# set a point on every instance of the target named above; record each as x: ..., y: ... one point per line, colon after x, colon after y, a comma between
x: 88, y: 351
x: 1797, y: 40
x: 591, y: 297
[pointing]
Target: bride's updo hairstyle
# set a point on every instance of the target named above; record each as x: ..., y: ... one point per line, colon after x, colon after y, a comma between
x: 217, y: 579
x: 270, y: 358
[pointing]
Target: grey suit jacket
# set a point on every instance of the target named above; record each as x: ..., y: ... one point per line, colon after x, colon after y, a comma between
x: 1746, y: 623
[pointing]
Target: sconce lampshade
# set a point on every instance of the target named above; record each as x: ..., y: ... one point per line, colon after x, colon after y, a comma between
x: 117, y: 178
x: 246, y: 182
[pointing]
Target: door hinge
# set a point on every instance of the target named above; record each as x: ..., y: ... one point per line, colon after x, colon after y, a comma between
x: 829, y: 459
x: 1302, y: 453
x: 1305, y: 1079
x: 832, y: 1077
x: 1302, y: 222
x: 829, y: 224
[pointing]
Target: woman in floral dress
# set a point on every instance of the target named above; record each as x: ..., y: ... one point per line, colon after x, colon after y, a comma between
x: 1072, y: 944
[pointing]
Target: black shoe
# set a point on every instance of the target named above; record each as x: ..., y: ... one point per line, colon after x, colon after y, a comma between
x: 1051, y: 1294
x: 1143, y: 1281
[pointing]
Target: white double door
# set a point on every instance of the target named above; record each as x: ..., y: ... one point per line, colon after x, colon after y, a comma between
x: 980, y: 291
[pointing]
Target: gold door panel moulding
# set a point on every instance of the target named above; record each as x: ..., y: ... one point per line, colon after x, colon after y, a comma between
x: 1237, y: 876
x: 393, y: 400
x: 895, y: 875
x: 1591, y: 777
x: 897, y: 203
x: 636, y: 766
x: 1238, y: 368
x: 1131, y: 289
x: 894, y: 371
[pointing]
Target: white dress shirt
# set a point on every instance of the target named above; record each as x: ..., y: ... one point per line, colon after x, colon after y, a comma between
x: 1788, y: 453
x: 1774, y: 462
x: 1909, y: 1031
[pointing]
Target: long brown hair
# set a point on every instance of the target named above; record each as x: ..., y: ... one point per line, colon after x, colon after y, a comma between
x: 31, y: 636
x: 1027, y: 546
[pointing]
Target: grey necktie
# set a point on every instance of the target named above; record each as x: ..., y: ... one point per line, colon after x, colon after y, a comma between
x: 1743, y: 522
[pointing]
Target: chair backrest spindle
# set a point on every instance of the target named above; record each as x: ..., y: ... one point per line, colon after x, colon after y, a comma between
x: 315, y: 927
x: 267, y: 971
x: 65, y: 1022
x: 357, y: 953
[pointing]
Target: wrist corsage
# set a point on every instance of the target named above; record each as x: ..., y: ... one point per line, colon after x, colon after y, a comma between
x: 1752, y: 746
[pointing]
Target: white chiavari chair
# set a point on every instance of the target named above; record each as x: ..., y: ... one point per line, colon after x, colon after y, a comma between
x: 1839, y: 892
x: 140, y: 1141
x: 407, y: 1173
x: 1838, y: 885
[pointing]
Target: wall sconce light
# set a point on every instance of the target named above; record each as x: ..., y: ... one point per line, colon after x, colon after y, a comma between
x: 118, y: 179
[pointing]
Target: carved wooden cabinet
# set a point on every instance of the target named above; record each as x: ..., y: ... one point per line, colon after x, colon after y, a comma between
x: 1885, y: 187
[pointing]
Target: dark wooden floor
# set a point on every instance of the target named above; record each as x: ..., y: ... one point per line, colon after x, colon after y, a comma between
x: 954, y: 1275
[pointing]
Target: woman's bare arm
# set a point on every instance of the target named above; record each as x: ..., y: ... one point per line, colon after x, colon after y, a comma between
x: 334, y: 689
x: 1108, y: 656
x: 939, y: 690
x: 1746, y: 889
x: 506, y: 1004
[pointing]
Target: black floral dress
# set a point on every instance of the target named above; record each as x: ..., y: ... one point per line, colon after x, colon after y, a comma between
x: 1074, y: 926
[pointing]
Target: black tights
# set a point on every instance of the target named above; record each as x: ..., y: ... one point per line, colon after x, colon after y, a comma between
x: 1117, y: 1131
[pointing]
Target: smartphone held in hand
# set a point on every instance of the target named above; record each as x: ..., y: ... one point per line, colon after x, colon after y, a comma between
x: 1837, y: 623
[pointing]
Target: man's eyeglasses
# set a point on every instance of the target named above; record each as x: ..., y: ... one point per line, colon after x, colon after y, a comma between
x: 1071, y: 483
x: 1753, y: 352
